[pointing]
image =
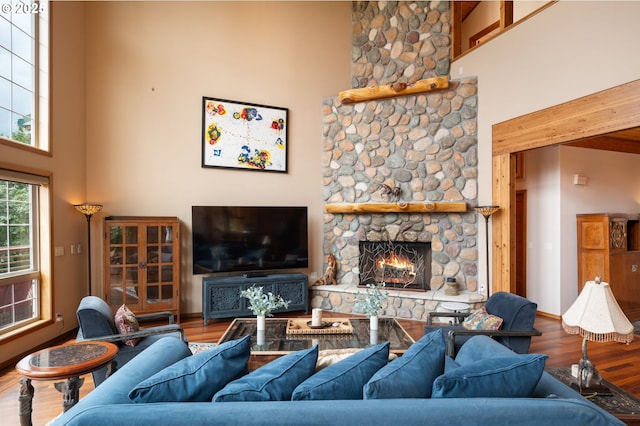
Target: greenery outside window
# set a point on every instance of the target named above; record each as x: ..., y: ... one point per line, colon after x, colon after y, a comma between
x: 24, y: 73
x: 20, y: 277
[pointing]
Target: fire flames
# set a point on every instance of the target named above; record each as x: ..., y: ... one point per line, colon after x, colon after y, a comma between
x: 396, y: 268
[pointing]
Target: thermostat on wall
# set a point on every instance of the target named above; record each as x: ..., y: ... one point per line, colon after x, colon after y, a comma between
x: 579, y: 179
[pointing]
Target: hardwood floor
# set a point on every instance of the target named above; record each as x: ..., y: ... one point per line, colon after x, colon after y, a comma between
x: 616, y: 362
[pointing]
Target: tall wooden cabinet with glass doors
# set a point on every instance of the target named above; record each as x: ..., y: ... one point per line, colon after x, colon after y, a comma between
x: 142, y: 263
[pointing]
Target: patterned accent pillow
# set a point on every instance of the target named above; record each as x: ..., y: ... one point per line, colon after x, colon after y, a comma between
x: 126, y: 322
x: 329, y: 357
x: 482, y: 320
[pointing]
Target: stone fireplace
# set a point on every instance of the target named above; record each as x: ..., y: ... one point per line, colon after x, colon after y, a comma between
x: 402, y: 150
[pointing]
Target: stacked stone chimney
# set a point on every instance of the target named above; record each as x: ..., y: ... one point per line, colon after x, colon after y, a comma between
x: 424, y: 144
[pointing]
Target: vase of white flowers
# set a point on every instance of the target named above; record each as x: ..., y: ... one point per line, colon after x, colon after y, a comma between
x: 262, y: 304
x: 371, y: 302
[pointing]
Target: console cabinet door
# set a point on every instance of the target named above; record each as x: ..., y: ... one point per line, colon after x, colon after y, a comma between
x: 141, y: 263
x: 609, y: 247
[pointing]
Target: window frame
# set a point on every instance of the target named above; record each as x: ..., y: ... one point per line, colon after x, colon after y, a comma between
x: 41, y: 258
x: 39, y: 11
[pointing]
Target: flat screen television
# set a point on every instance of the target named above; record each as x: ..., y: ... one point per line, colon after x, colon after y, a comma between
x: 248, y: 239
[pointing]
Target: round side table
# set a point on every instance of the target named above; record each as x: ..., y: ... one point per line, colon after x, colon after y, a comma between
x: 65, y: 362
x: 456, y: 307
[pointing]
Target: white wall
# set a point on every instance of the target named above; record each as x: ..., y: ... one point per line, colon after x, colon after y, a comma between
x: 555, y: 56
x: 148, y: 66
x: 544, y: 244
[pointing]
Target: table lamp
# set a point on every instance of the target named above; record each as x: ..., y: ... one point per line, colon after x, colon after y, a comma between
x: 596, y: 316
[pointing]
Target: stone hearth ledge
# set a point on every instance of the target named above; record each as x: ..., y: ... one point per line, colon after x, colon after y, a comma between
x: 414, y: 305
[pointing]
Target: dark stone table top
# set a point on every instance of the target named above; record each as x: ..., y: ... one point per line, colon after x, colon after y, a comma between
x: 64, y: 361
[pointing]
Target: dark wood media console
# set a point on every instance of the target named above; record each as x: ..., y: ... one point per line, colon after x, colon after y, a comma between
x: 221, y: 295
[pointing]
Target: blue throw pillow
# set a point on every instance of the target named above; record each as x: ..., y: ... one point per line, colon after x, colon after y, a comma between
x: 197, y: 377
x: 450, y: 364
x: 514, y: 376
x: 274, y: 381
x: 412, y: 374
x: 344, y: 379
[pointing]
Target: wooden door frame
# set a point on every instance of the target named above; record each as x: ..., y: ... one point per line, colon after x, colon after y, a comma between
x: 522, y: 218
x: 600, y: 113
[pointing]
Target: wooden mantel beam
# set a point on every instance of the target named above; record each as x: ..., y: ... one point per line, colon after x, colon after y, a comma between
x: 392, y: 90
x: 435, y: 207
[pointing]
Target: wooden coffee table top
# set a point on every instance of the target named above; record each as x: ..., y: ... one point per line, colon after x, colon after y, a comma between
x: 276, y: 340
x: 64, y: 361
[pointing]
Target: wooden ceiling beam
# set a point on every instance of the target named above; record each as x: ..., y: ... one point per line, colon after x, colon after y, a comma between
x: 609, y: 143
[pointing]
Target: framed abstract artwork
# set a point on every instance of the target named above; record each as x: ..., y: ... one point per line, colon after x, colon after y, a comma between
x: 242, y: 135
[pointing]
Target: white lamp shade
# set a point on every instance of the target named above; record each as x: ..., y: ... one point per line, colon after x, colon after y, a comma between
x: 596, y: 316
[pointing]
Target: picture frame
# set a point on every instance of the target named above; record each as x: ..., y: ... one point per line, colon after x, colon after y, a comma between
x: 244, y: 135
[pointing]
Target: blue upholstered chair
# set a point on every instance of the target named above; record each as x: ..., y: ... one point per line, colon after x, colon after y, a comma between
x: 96, y: 323
x: 518, y: 315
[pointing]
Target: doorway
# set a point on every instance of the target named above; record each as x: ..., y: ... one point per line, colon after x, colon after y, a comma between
x: 581, y: 120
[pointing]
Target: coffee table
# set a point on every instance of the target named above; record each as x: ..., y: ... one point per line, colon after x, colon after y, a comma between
x: 69, y: 361
x: 277, y: 342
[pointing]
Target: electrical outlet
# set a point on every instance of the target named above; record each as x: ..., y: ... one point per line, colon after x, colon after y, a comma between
x: 59, y: 317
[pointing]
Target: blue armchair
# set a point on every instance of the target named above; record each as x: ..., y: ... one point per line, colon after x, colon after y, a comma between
x: 96, y: 322
x: 518, y: 315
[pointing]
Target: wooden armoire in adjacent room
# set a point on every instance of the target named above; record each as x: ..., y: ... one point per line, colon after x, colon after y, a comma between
x: 609, y: 247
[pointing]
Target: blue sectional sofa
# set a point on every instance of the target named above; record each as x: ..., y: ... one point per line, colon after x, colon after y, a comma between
x: 550, y: 401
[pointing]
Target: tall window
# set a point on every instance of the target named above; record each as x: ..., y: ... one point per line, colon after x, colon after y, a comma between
x: 19, y: 248
x: 24, y: 72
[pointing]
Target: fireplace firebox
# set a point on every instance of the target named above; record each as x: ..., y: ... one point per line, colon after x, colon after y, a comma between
x: 400, y: 265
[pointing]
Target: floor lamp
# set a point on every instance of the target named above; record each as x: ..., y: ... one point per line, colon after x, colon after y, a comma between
x: 88, y: 210
x: 487, y: 211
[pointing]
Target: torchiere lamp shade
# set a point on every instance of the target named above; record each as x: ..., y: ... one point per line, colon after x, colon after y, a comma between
x: 88, y: 209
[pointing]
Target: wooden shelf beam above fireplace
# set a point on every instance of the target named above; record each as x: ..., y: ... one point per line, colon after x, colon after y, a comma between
x: 435, y: 207
x: 392, y: 90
